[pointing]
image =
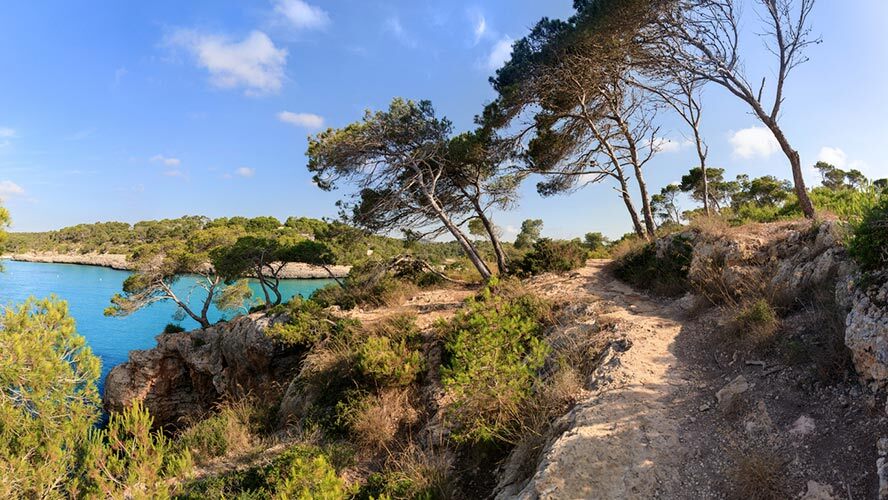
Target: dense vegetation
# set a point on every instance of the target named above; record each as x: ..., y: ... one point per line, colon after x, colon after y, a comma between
x: 588, y: 87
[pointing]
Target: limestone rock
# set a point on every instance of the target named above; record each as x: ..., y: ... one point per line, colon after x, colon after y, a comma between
x: 728, y: 394
x: 803, y: 426
x: 190, y: 372
x: 819, y: 491
x: 866, y: 333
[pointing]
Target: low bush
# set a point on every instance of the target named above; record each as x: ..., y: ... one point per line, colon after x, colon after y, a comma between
x: 233, y: 429
x: 663, y: 273
x: 756, y: 323
x: 374, y: 420
x: 553, y: 256
x: 302, y: 472
x: 494, y: 349
x: 370, y: 286
x: 173, y: 328
x: 413, y: 473
x: 128, y: 459
x: 305, y: 323
x: 869, y: 240
x: 389, y: 356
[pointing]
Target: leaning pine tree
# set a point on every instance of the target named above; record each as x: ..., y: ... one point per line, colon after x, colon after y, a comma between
x: 398, y: 161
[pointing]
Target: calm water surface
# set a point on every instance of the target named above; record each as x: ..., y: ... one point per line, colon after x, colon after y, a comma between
x: 88, y: 290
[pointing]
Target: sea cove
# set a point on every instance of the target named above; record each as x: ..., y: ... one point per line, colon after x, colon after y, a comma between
x: 88, y: 289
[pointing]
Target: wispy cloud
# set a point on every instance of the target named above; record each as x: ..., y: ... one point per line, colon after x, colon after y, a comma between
x: 302, y: 15
x: 754, y: 142
x: 7, y: 133
x: 499, y: 54
x: 667, y: 145
x: 174, y: 173
x: 245, y: 172
x: 394, y: 27
x: 833, y: 156
x: 9, y: 189
x: 119, y: 74
x: 479, y: 25
x: 304, y: 120
x: 254, y: 63
x: 166, y: 160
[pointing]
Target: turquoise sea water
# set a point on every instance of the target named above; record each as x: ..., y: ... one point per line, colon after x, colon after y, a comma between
x: 88, y: 290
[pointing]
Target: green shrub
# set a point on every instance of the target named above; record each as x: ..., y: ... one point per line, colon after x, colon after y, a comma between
x: 390, y: 355
x: 173, y: 328
x: 128, y: 457
x: 666, y: 274
x: 553, y: 256
x: 306, y: 323
x: 756, y: 322
x: 371, y: 285
x: 302, y: 472
x: 389, y: 362
x: 232, y: 429
x: 494, y: 349
x: 869, y: 241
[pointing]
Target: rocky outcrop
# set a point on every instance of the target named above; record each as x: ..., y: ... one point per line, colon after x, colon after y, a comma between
x: 293, y: 270
x: 785, y: 258
x: 190, y: 372
x: 866, y: 332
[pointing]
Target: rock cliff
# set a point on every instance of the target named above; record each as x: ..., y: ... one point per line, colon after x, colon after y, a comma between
x: 190, y: 372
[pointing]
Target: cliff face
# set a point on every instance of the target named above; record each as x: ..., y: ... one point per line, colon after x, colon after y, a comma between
x: 188, y: 373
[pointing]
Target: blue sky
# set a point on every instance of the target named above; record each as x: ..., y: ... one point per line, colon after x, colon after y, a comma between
x: 144, y: 110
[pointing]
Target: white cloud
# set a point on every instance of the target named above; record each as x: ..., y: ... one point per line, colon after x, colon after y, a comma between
x: 253, y: 63
x: 169, y: 162
x: 174, y: 173
x: 499, y: 54
x: 754, y: 142
x: 479, y: 25
x: 666, y: 145
x: 302, y: 15
x: 9, y: 188
x: 393, y: 25
x: 304, y: 120
x: 833, y: 156
x: 245, y: 172
x: 7, y: 133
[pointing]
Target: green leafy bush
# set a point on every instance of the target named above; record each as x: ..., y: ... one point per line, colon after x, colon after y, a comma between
x: 232, y: 429
x: 869, y: 241
x: 664, y: 274
x: 173, y: 328
x: 371, y: 286
x: 756, y: 322
x: 553, y: 256
x: 302, y: 472
x: 390, y: 355
x: 494, y: 349
x: 305, y: 323
x: 128, y: 459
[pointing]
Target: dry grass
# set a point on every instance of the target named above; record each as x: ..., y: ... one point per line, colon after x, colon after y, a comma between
x: 755, y: 324
x: 626, y: 247
x: 758, y: 475
x: 712, y: 226
x: 375, y: 421
x: 428, y: 471
x: 231, y: 431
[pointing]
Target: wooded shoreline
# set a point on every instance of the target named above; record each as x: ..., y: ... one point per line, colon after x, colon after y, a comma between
x: 119, y: 262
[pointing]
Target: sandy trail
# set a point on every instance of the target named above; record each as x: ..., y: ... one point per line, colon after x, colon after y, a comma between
x: 624, y: 441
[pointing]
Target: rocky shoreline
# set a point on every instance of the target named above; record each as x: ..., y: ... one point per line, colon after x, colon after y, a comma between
x: 119, y: 262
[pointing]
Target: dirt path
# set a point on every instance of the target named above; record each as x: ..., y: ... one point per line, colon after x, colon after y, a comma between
x: 624, y: 442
